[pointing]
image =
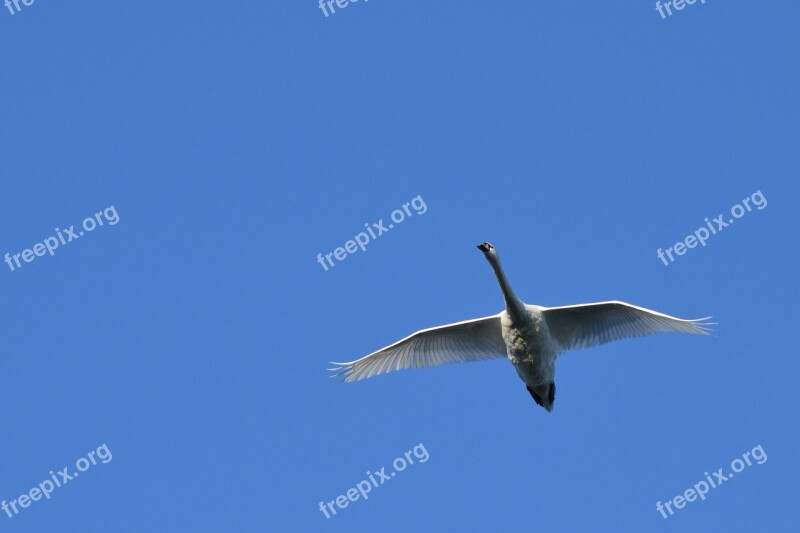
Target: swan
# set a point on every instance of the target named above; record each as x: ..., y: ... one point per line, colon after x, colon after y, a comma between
x: 530, y: 336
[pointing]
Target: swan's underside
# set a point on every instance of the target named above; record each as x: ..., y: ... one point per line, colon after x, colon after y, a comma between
x: 557, y: 330
x: 572, y: 327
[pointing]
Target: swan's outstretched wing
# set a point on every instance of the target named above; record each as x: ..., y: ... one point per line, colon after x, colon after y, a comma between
x: 581, y: 326
x: 471, y: 340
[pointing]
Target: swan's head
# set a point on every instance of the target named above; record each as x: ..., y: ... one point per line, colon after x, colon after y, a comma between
x: 487, y: 249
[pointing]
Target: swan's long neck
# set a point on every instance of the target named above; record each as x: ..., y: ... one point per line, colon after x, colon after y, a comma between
x: 514, y: 305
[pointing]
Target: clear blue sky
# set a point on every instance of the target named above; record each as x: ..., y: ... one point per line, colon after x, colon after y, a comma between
x: 236, y: 141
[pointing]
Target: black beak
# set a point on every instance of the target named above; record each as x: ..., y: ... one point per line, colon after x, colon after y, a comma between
x: 483, y: 247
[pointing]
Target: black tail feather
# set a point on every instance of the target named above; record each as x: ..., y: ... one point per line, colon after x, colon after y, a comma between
x: 536, y: 397
x: 551, y: 396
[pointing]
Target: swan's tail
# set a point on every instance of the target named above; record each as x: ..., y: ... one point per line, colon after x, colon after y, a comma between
x: 544, y: 395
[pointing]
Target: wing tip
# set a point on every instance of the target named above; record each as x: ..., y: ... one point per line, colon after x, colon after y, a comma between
x: 702, y: 325
x: 343, y: 371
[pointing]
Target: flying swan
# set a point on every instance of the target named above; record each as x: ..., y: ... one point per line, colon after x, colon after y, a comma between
x: 531, y: 336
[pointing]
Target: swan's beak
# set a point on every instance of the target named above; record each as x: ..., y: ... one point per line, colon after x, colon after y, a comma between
x: 484, y: 247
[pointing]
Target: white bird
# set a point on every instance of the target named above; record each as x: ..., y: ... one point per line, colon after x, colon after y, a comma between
x: 530, y: 336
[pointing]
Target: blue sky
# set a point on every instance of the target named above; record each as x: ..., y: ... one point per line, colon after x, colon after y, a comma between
x: 235, y: 142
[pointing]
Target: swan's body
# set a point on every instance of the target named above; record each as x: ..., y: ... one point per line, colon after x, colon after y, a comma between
x: 533, y: 353
x: 530, y: 336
